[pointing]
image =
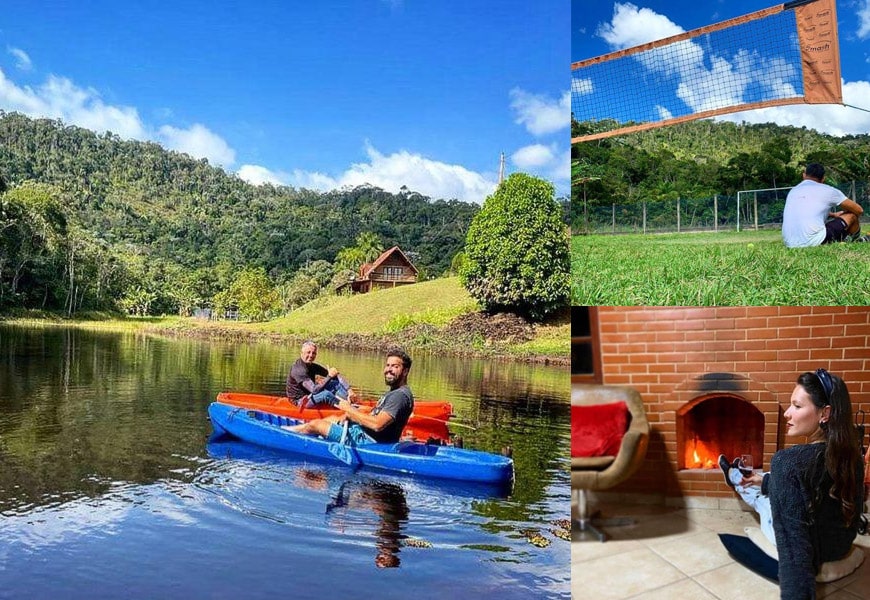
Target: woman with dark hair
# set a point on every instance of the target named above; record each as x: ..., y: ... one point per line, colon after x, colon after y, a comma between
x: 814, y: 490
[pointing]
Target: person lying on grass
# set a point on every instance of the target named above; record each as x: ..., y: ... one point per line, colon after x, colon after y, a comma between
x: 387, y: 419
x: 808, y: 220
x: 810, y: 502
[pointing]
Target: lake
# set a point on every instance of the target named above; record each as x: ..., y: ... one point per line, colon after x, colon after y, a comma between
x: 110, y: 485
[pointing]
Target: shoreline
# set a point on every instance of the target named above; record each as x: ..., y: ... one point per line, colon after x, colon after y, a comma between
x: 426, y: 338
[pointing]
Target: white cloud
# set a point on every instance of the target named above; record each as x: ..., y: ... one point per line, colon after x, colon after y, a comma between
x: 199, y: 142
x: 550, y: 162
x: 664, y: 113
x: 864, y: 20
x: 704, y: 90
x: 561, y: 173
x: 702, y: 81
x: 257, y: 175
x: 429, y: 177
x: 541, y: 114
x: 632, y: 26
x: 534, y: 156
x: 833, y: 119
x: 22, y: 60
x: 389, y: 172
x: 60, y: 98
x: 580, y: 87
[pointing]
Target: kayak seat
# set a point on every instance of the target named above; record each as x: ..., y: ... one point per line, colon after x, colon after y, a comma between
x: 416, y: 448
x: 272, y: 419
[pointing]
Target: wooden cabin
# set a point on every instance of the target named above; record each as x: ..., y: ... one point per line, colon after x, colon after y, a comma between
x: 390, y: 269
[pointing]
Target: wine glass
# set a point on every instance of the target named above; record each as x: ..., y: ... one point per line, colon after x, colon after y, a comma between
x: 746, y: 462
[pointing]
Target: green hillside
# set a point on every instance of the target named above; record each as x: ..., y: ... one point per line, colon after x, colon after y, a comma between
x: 433, y: 302
x: 94, y: 222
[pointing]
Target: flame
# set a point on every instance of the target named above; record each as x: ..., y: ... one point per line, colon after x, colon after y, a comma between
x: 702, y: 457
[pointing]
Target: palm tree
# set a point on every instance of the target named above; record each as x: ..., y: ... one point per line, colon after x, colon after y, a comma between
x: 369, y: 245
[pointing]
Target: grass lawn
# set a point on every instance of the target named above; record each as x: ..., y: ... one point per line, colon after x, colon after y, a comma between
x: 726, y: 268
x: 434, y: 302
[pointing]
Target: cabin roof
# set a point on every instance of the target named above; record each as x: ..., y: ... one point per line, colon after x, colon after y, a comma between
x: 369, y: 267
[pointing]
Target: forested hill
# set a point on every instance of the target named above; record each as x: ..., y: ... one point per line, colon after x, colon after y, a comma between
x: 162, y: 210
x: 701, y: 158
x: 138, y: 194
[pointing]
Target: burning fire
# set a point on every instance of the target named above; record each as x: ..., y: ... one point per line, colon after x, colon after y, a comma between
x: 699, y: 456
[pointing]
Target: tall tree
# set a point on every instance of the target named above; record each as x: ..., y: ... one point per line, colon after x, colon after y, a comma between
x: 517, y: 255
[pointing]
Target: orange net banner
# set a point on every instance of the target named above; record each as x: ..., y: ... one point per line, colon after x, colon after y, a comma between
x: 786, y: 54
x: 820, y: 52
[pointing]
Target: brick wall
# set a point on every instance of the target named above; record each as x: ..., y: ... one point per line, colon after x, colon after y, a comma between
x: 669, y: 354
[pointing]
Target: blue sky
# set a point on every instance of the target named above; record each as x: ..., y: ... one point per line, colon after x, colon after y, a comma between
x: 310, y: 94
x: 601, y: 27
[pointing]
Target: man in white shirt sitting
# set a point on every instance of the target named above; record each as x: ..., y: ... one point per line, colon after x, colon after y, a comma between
x: 808, y: 206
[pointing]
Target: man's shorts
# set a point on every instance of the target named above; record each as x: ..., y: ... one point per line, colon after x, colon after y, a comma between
x: 835, y: 230
x: 356, y: 435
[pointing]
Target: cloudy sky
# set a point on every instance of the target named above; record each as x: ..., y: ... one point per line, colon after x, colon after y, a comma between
x: 318, y: 95
x: 755, y: 72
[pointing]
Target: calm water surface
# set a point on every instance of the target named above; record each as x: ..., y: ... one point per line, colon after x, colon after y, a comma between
x: 111, y: 488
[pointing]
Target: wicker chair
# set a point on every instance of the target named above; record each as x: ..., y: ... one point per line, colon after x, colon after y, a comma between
x: 604, y: 472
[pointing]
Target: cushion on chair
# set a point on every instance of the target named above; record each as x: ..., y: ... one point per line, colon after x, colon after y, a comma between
x: 759, y: 539
x: 829, y: 571
x: 597, y: 429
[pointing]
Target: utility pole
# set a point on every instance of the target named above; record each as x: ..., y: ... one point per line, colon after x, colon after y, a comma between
x: 501, y: 169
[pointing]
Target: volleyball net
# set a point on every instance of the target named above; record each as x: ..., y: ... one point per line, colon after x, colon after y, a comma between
x: 786, y: 54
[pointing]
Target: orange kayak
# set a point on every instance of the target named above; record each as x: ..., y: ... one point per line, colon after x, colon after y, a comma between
x: 429, y: 419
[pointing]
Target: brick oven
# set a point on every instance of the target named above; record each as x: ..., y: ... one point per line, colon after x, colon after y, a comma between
x: 717, y: 380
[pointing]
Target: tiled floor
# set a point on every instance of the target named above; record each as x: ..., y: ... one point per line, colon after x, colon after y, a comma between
x: 675, y: 554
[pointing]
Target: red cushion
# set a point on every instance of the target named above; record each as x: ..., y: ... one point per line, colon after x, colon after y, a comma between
x: 597, y: 429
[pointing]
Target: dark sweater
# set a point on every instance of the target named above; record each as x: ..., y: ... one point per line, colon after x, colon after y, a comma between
x: 794, y: 474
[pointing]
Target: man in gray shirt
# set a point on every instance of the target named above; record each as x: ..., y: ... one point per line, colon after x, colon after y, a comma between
x: 386, y: 421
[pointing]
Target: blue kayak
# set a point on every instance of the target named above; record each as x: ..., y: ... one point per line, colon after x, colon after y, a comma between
x: 427, y: 460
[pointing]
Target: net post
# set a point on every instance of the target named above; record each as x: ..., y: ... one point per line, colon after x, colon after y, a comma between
x: 755, y: 208
x: 678, y: 215
x: 716, y: 212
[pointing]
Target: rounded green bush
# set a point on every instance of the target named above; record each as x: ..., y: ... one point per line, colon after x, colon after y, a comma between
x: 516, y: 252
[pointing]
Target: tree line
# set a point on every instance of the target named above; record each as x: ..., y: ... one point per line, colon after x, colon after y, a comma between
x: 94, y: 222
x: 701, y: 159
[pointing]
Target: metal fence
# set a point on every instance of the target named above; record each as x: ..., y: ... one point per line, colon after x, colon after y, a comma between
x: 758, y: 209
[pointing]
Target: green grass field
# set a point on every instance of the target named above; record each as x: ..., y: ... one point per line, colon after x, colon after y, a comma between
x: 434, y: 302
x: 389, y: 311
x: 705, y: 269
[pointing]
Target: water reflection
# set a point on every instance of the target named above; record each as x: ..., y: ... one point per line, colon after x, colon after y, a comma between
x: 387, y: 501
x: 106, y: 478
x: 354, y: 496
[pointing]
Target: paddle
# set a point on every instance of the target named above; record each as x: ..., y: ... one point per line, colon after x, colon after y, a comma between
x: 445, y: 422
x: 339, y: 499
x: 342, y: 451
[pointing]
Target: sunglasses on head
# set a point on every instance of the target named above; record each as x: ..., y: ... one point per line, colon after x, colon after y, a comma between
x: 827, y: 383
